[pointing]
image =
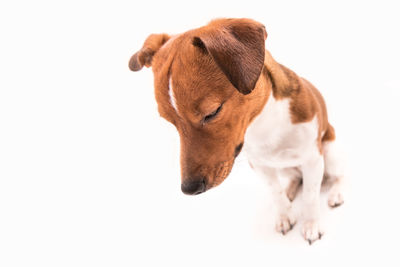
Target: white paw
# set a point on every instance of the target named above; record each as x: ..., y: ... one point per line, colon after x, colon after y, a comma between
x: 311, y: 231
x: 335, y: 199
x: 284, y: 224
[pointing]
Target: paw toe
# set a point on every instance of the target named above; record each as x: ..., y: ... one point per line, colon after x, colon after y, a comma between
x: 284, y: 225
x: 335, y: 200
x: 311, y: 232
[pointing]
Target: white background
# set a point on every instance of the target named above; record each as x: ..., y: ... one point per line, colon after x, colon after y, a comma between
x: 89, y: 173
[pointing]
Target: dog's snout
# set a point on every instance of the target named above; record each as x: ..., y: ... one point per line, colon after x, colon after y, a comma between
x: 194, y: 187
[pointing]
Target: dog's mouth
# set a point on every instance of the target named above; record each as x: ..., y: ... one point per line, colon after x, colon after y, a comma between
x: 238, y: 149
x: 209, y: 175
x: 220, y: 173
x: 222, y: 170
x: 207, y: 178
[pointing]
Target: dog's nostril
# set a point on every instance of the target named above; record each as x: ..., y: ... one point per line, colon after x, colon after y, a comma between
x: 194, y: 187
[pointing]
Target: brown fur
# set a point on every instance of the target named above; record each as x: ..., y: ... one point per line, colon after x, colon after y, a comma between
x: 306, y: 100
x: 224, y: 63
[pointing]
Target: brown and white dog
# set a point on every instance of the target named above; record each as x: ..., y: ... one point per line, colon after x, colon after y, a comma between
x: 222, y: 90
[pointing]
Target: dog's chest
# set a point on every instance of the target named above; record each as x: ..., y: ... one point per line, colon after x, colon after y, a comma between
x: 273, y: 140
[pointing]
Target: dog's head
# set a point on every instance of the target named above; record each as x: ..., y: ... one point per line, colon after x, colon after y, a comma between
x: 207, y: 83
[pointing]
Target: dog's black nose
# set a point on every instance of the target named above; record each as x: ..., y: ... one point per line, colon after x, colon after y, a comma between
x: 194, y: 187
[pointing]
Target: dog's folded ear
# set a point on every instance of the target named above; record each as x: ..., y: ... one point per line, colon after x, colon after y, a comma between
x: 238, y: 48
x: 145, y: 55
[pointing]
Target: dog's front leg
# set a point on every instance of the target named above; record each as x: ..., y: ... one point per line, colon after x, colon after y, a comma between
x: 313, y: 171
x: 285, y: 218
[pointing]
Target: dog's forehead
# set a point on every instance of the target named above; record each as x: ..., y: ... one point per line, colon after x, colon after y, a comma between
x: 190, y: 75
x: 192, y: 70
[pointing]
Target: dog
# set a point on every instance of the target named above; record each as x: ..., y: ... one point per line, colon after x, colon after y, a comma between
x: 223, y: 91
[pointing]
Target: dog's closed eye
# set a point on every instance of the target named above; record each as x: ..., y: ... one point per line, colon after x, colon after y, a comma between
x: 212, y: 115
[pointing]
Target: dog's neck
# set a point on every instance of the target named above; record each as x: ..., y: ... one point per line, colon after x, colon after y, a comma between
x: 272, y: 83
x: 277, y: 82
x: 283, y: 81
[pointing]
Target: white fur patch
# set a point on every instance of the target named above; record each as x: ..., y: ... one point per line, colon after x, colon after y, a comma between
x: 273, y: 140
x: 334, y: 167
x: 172, y: 96
x: 274, y: 145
